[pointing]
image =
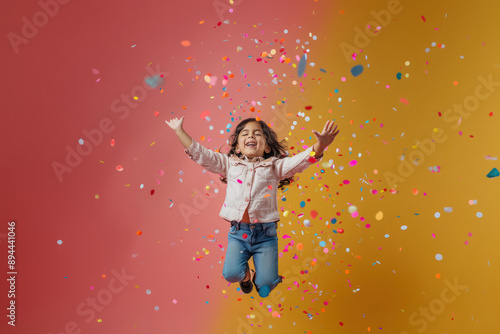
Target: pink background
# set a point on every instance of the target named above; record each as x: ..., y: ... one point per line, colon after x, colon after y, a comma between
x: 52, y: 96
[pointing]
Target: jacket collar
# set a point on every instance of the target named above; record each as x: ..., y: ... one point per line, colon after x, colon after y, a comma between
x: 255, y: 159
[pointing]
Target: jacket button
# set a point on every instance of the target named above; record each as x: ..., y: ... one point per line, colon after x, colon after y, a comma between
x: 248, y: 183
x: 246, y: 199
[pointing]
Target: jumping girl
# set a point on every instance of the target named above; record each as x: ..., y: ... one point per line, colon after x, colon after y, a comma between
x: 255, y: 167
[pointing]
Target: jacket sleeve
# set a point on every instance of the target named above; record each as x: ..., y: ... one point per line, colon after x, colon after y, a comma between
x: 214, y: 162
x: 289, y: 166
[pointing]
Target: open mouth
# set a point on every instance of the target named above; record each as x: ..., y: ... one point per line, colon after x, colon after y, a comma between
x: 251, y: 144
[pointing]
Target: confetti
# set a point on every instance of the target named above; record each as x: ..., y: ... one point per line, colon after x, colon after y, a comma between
x: 493, y: 173
x: 357, y: 70
x: 154, y: 81
x: 302, y: 65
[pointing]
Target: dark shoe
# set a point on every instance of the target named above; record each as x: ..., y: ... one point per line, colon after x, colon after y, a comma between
x: 247, y: 286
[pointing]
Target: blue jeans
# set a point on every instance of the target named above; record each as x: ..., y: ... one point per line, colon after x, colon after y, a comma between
x: 260, y: 241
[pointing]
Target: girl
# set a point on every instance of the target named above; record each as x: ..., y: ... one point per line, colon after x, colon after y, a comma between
x: 253, y: 169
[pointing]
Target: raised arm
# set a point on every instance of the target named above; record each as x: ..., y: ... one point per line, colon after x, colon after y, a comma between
x: 325, y: 138
x: 289, y: 166
x: 176, y: 125
x: 214, y: 162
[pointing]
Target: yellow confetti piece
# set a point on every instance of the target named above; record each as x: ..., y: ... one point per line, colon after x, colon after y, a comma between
x: 379, y: 215
x: 152, y: 143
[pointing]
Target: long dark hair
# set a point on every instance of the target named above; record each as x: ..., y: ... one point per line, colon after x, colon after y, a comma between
x: 277, y: 147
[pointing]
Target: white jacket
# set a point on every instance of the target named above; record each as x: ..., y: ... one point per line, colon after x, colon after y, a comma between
x: 253, y: 183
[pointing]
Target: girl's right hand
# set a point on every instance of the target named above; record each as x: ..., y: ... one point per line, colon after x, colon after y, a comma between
x: 175, y: 124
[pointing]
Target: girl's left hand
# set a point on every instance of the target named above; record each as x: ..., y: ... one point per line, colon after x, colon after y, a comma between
x: 326, y: 137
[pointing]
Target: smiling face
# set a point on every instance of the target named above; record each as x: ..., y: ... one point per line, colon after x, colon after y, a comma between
x: 252, y: 134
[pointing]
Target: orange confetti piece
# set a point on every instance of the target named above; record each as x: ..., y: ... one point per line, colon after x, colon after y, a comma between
x: 405, y: 101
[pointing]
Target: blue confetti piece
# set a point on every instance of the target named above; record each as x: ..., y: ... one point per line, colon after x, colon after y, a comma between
x: 322, y: 70
x: 357, y: 70
x: 154, y: 81
x: 264, y: 291
x: 493, y: 173
x: 302, y: 65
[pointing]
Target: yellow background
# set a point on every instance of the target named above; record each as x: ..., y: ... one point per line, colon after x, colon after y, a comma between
x: 407, y: 277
